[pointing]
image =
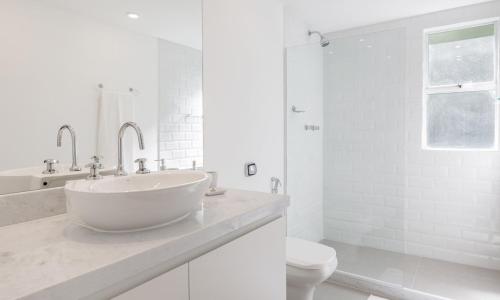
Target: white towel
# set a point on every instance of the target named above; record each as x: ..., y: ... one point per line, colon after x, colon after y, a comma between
x: 114, y: 109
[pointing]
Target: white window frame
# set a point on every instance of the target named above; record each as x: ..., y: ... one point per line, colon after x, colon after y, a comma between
x: 465, y: 87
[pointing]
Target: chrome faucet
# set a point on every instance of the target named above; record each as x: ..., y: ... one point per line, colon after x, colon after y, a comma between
x: 162, y: 167
x: 95, y: 166
x: 142, y: 166
x: 50, y: 163
x: 275, y: 185
x: 74, y: 165
x: 119, y: 167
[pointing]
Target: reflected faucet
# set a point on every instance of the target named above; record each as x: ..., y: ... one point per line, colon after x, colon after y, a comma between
x: 119, y: 167
x: 74, y: 165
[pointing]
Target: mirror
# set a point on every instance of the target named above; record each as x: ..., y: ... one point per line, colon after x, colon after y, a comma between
x: 94, y: 65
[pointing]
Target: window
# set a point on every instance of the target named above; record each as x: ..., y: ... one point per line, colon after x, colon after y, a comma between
x: 460, y: 86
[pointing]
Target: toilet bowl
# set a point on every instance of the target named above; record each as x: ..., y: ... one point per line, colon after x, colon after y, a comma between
x: 308, y: 264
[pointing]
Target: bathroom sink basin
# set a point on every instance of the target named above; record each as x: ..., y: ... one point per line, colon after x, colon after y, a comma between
x: 20, y: 180
x: 135, y: 202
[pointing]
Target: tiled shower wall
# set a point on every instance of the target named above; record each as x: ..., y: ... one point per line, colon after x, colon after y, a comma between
x: 181, y: 106
x: 381, y: 188
x: 365, y: 140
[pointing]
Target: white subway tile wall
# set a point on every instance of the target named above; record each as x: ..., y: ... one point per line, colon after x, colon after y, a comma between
x: 181, y: 106
x: 381, y: 188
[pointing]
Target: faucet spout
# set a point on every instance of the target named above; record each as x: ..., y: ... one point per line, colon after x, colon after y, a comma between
x: 119, y: 167
x: 74, y: 165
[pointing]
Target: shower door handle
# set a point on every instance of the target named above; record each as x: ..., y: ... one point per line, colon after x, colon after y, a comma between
x: 296, y: 110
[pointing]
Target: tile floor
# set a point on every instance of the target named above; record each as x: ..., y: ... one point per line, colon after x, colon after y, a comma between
x: 449, y: 280
x: 327, y: 291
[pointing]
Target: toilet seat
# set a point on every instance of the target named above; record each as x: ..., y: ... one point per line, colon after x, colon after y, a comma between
x: 308, y: 255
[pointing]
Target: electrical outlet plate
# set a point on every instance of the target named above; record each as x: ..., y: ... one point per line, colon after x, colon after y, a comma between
x: 250, y: 169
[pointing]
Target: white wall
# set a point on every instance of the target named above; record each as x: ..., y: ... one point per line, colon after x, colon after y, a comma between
x: 181, y: 105
x: 381, y: 188
x: 243, y: 90
x: 50, y: 65
x: 296, y: 28
x: 305, y: 148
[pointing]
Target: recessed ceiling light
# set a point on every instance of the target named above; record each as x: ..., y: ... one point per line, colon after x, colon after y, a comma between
x: 133, y: 15
x: 361, y: 40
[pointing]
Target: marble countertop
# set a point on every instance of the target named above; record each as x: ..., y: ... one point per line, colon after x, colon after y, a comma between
x: 51, y: 258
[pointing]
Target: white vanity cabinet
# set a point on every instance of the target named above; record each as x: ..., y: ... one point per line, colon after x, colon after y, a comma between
x: 250, y: 267
x: 173, y: 285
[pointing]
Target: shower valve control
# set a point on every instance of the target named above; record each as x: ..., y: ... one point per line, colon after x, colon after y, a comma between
x: 250, y: 169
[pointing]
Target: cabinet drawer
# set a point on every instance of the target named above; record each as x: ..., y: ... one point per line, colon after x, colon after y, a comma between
x: 172, y: 285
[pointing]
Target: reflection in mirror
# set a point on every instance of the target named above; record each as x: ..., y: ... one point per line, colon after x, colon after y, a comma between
x: 94, y: 65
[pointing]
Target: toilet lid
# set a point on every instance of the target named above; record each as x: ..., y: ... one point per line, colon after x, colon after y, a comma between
x: 308, y: 255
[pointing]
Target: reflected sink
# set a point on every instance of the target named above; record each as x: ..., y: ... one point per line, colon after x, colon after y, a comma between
x: 135, y: 202
x: 32, y: 178
x: 20, y: 180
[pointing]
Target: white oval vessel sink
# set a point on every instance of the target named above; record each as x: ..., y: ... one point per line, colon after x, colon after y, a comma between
x: 135, y: 202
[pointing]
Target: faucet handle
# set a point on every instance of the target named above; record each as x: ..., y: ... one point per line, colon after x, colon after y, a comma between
x: 163, y: 167
x: 142, y: 166
x: 94, y: 170
x: 97, y: 159
x: 50, y: 163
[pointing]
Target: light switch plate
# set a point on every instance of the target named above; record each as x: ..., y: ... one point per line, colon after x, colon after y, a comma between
x: 250, y: 169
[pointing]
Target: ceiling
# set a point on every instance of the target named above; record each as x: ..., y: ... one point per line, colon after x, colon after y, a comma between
x: 179, y: 21
x: 335, y: 15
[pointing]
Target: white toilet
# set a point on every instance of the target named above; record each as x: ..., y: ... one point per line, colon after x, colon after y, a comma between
x: 308, y: 264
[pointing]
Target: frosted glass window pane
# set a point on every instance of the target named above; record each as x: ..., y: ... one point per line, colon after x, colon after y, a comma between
x: 461, y: 120
x: 462, y: 56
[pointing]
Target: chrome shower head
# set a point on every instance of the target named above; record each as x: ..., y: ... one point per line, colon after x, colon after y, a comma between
x: 323, y: 40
